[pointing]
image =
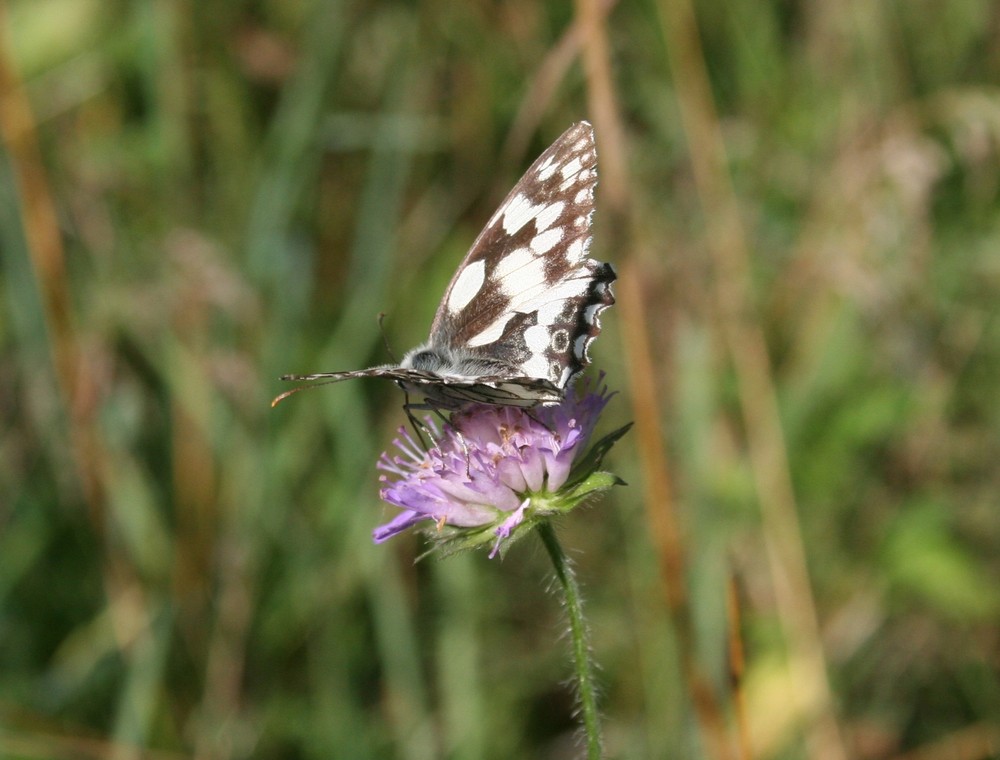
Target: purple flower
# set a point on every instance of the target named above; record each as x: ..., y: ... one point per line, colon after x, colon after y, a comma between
x: 495, y: 469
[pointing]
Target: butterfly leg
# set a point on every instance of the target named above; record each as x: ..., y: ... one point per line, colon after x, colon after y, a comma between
x: 418, y: 426
x: 424, y: 427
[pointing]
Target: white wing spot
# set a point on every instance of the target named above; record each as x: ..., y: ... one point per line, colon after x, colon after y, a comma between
x: 536, y: 366
x: 546, y: 241
x: 518, y: 213
x: 570, y: 168
x: 580, y: 346
x: 549, y: 303
x: 491, y: 334
x: 576, y: 179
x: 548, y: 215
x: 548, y: 313
x: 522, y: 284
x: 576, y: 250
x: 583, y: 196
x: 547, y: 169
x: 467, y: 284
x: 512, y: 262
x: 590, y: 313
x: 537, y: 338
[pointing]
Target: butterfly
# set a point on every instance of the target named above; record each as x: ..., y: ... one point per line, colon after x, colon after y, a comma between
x: 521, y: 311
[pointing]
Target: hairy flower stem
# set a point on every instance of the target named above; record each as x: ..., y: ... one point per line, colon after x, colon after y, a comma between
x: 578, y: 631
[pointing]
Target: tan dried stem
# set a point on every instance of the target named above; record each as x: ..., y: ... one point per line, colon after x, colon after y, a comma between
x: 661, y: 508
x: 745, y: 342
x: 75, y: 382
x: 44, y: 244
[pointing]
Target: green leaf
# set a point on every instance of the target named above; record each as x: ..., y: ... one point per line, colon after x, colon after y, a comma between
x: 590, y: 461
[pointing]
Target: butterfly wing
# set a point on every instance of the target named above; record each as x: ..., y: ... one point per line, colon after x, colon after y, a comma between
x: 518, y: 317
x: 526, y: 297
x: 444, y: 391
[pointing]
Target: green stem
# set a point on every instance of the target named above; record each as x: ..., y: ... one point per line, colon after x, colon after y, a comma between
x: 578, y: 630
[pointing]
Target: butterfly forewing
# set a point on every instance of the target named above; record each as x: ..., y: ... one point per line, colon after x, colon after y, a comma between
x: 526, y: 294
x: 520, y: 312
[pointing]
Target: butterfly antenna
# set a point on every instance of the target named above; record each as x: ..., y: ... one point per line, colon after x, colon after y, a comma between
x: 385, y: 338
x: 282, y: 396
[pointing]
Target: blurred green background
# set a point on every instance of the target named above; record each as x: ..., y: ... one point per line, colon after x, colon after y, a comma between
x: 196, y: 197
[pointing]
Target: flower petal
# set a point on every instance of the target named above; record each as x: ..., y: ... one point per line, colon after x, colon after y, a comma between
x: 505, y: 528
x: 487, y: 464
x: 398, y: 524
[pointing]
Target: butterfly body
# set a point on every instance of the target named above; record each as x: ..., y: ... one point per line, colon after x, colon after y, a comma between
x: 523, y: 307
x: 449, y: 378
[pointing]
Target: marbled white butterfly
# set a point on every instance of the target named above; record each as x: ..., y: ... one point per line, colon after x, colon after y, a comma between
x: 518, y: 317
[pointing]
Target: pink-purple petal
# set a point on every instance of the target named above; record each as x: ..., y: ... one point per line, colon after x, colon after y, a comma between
x: 396, y: 525
x: 505, y: 528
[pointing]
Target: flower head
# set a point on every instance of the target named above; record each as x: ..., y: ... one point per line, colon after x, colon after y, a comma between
x: 496, y: 469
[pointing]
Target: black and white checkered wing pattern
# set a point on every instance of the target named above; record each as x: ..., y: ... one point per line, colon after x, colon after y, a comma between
x: 526, y: 300
x: 519, y: 315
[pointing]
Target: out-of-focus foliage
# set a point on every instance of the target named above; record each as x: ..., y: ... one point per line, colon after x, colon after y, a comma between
x: 242, y: 187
